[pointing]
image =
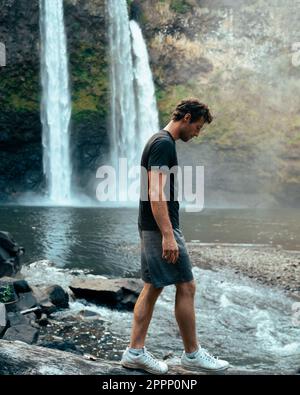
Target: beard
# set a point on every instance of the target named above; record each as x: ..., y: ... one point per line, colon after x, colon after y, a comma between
x: 184, y: 135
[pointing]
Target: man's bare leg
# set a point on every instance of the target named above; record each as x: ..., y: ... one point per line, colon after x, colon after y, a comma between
x: 185, y: 314
x: 142, y: 314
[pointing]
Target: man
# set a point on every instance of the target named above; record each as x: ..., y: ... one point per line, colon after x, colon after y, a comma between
x: 164, y: 258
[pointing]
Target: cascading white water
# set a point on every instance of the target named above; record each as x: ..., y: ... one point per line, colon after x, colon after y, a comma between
x: 134, y: 115
x: 147, y: 115
x: 56, y: 102
x: 123, y: 110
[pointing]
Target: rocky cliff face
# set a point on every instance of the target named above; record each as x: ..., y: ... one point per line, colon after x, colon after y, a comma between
x: 20, y: 137
x: 237, y: 56
x: 20, y: 127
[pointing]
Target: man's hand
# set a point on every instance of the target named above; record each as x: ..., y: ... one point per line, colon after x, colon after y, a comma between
x: 170, y: 249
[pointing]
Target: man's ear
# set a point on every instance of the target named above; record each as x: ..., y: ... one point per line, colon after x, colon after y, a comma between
x: 187, y: 117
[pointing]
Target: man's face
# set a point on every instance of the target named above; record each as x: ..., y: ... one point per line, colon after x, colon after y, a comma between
x: 188, y: 129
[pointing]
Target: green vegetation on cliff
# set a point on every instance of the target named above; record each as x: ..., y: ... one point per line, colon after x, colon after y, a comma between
x: 90, y: 79
x: 19, y: 87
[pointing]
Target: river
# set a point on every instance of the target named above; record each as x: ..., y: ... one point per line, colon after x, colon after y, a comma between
x: 249, y: 324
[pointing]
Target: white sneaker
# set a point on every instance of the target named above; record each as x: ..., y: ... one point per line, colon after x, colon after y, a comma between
x: 203, y: 361
x: 145, y: 361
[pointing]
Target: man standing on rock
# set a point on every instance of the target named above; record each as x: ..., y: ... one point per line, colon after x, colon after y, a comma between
x: 164, y: 257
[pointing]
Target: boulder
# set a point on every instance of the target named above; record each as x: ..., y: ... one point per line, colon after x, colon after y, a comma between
x: 3, y: 318
x: 117, y: 293
x: 10, y: 255
x: 58, y: 296
x: 51, y: 298
x: 43, y: 300
x: 22, y: 332
x: 43, y: 321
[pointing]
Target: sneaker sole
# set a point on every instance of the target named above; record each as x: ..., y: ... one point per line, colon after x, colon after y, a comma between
x: 196, y: 368
x: 134, y: 366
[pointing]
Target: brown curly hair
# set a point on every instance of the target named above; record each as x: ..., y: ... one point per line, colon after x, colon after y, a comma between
x: 195, y: 108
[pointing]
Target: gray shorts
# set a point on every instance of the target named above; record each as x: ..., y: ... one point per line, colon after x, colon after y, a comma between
x: 157, y: 270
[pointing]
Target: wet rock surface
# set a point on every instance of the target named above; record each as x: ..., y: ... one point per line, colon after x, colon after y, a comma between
x: 87, y: 336
x: 22, y: 319
x: 22, y: 359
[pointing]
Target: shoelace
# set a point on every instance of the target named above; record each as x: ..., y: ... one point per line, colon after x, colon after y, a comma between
x: 209, y: 357
x: 150, y: 357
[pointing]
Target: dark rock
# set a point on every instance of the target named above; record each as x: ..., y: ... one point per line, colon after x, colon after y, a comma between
x: 117, y: 293
x: 43, y: 321
x: 128, y: 301
x: 7, y: 268
x: 22, y: 332
x: 26, y: 301
x: 43, y: 300
x: 10, y: 255
x: 20, y: 285
x: 3, y: 318
x: 67, y: 345
x: 51, y: 298
x: 58, y: 296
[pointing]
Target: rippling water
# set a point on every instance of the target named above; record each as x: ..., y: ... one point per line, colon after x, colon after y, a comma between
x: 249, y: 324
x: 97, y: 238
x: 246, y: 323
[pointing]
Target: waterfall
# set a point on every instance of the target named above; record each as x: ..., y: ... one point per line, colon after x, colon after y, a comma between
x: 123, y: 109
x: 134, y: 115
x: 56, y: 102
x: 147, y: 116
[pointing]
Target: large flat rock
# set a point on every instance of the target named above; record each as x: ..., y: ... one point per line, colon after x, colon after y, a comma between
x: 119, y: 293
x: 18, y: 358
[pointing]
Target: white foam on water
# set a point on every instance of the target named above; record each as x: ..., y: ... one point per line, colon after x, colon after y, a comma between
x: 236, y: 318
x: 45, y: 272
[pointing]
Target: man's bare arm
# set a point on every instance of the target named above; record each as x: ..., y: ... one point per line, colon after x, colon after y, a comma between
x: 157, y: 181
